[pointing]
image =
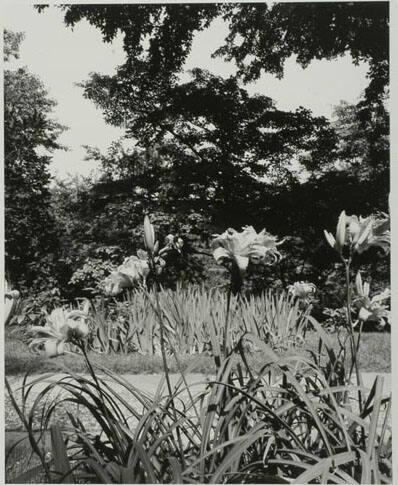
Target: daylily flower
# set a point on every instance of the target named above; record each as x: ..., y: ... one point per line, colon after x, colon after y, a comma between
x: 371, y: 309
x: 302, y: 290
x: 62, y: 326
x: 360, y: 233
x: 240, y: 247
x: 11, y: 298
x: 133, y: 271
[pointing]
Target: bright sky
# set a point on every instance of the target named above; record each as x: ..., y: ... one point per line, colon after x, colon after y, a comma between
x: 61, y: 57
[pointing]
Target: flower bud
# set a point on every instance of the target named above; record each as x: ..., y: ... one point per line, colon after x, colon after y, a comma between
x: 358, y: 283
x: 340, y: 232
x: 149, y: 235
x: 330, y: 239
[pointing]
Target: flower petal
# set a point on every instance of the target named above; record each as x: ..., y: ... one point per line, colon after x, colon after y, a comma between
x: 220, y: 254
x: 330, y: 239
x: 53, y: 348
x: 115, y: 282
x: 364, y: 314
x: 81, y: 330
x: 242, y: 262
x: 353, y: 228
x: 143, y: 255
x: 385, y: 295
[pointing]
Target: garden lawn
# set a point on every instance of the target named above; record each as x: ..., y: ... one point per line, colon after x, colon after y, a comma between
x: 374, y: 356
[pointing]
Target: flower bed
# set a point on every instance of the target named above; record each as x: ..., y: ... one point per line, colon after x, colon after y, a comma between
x: 293, y: 419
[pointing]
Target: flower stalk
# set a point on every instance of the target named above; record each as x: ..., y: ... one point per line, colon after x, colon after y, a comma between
x: 153, y: 247
x: 227, y: 318
x: 350, y: 327
x: 356, y: 235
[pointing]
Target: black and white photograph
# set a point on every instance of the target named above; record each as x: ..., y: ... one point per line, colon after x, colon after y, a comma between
x: 197, y: 264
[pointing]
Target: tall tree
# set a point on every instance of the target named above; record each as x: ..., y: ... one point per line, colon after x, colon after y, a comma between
x: 212, y: 132
x: 158, y: 38
x: 260, y: 39
x: 29, y: 131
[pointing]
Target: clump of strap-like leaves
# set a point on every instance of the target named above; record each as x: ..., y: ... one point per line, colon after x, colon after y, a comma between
x: 295, y: 420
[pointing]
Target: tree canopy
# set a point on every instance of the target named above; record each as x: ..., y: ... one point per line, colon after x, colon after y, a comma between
x: 212, y: 131
x: 158, y: 38
x: 260, y: 39
x: 30, y: 134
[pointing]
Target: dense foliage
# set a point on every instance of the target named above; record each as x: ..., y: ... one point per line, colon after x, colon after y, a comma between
x: 30, y: 135
x: 203, y: 153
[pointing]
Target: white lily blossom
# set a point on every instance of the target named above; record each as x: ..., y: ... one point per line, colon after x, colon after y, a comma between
x: 245, y: 246
x: 360, y: 233
x: 62, y: 325
x: 133, y: 271
x: 302, y: 290
x: 371, y: 308
x: 365, y: 232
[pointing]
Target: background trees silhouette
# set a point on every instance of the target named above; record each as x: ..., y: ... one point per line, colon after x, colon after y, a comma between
x: 203, y: 154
